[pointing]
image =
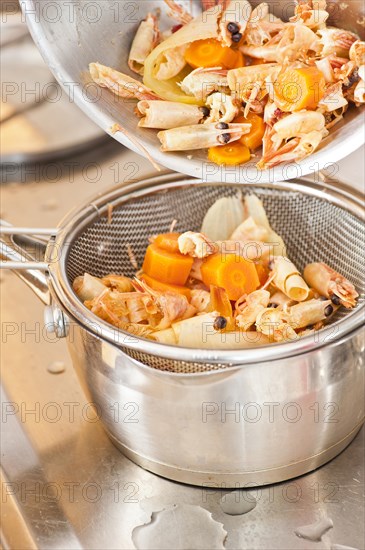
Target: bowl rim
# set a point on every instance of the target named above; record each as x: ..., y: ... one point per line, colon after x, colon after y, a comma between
x: 59, y: 246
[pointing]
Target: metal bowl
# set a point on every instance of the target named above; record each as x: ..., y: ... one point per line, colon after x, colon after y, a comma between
x: 71, y: 35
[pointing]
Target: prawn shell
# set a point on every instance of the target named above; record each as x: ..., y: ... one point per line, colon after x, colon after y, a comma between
x: 292, y: 43
x: 178, y: 12
x: 357, y: 53
x: 296, y: 288
x: 271, y: 322
x: 324, y: 65
x: 222, y: 107
x: 202, y: 82
x: 280, y: 299
x: 143, y: 43
x: 308, y: 144
x: 261, y: 26
x: 288, y: 279
x: 328, y: 282
x: 255, y: 302
x: 165, y: 115
x: 199, y: 136
x: 293, y: 150
x: 307, y: 313
x: 297, y: 40
x: 120, y: 84
x: 173, y: 64
x: 196, y: 245
x: 336, y: 41
x: 200, y: 299
x: 267, y: 52
x: 88, y: 287
x: 299, y: 123
x: 241, y: 80
x: 333, y: 99
x: 118, y: 282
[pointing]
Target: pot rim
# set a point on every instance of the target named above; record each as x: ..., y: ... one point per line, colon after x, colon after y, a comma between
x: 74, y: 222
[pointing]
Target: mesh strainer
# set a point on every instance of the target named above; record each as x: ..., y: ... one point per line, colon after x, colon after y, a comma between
x: 173, y: 387
x: 318, y: 222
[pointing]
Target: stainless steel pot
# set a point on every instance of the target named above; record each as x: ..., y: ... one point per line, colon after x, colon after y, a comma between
x: 70, y: 35
x: 220, y: 417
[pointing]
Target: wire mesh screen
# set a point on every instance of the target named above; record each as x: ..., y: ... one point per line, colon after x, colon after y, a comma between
x: 312, y: 228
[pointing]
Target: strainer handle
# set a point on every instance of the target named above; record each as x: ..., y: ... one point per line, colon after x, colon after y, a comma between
x: 17, y: 259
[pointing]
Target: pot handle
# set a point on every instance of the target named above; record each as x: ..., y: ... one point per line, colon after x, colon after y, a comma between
x: 19, y: 260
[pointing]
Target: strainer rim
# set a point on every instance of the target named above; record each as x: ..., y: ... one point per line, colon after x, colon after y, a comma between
x: 58, y: 249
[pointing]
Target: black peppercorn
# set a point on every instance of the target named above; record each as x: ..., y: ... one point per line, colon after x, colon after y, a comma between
x: 335, y: 300
x: 236, y: 37
x: 204, y: 110
x: 222, y: 126
x: 220, y: 323
x: 224, y: 138
x: 328, y: 310
x: 233, y: 28
x: 271, y: 304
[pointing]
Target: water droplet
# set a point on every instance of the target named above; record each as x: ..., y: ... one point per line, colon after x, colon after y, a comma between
x: 57, y: 367
x: 237, y: 503
x: 315, y: 531
x: 180, y: 527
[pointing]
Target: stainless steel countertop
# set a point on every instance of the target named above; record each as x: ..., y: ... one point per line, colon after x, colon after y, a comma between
x: 71, y: 487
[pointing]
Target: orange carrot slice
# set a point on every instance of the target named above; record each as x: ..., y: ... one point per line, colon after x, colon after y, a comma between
x: 241, y: 62
x: 232, y: 272
x: 167, y: 267
x: 167, y: 241
x: 210, y: 53
x: 253, y: 139
x: 262, y: 273
x: 219, y: 301
x: 232, y: 153
x: 300, y: 88
x: 165, y: 287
